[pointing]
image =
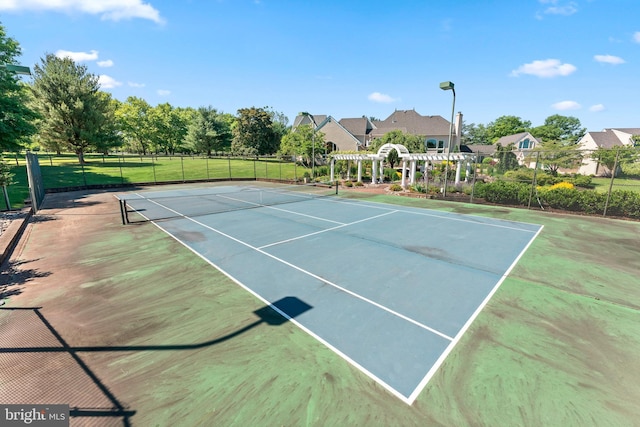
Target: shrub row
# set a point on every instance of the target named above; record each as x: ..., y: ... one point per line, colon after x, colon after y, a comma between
x: 544, y: 178
x: 622, y: 203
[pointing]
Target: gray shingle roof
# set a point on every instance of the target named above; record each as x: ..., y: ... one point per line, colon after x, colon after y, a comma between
x: 605, y: 139
x: 359, y: 126
x: 413, y: 123
x: 512, y: 139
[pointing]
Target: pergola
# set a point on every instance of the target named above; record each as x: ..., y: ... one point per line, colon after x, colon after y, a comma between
x: 408, y: 159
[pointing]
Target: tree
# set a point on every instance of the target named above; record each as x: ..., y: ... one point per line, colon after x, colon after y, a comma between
x: 280, y: 123
x: 413, y: 143
x: 301, y: 144
x: 68, y: 98
x: 209, y: 131
x: 555, y: 155
x: 16, y: 119
x: 620, y: 155
x: 134, y: 122
x: 566, y: 130
x: 109, y: 136
x: 506, y: 125
x: 507, y: 159
x: 168, y: 128
x: 475, y: 134
x: 253, y: 133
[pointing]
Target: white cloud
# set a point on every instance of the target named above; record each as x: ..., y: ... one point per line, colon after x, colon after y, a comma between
x: 163, y: 92
x: 636, y: 37
x: 381, y: 97
x: 556, y: 8
x: 609, y: 59
x: 545, y: 68
x: 105, y: 64
x: 596, y: 108
x: 132, y: 84
x: 566, y: 105
x: 107, y: 9
x: 107, y: 82
x: 78, y: 56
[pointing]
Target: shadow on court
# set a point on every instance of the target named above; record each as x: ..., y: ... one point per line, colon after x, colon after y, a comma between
x: 275, y: 314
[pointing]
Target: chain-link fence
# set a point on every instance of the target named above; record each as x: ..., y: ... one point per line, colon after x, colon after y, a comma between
x: 600, y: 182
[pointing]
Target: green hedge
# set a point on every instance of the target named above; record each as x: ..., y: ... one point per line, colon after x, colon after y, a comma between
x: 622, y: 203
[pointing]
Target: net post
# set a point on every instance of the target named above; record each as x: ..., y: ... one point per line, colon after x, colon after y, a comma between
x: 122, y: 209
x: 336, y: 184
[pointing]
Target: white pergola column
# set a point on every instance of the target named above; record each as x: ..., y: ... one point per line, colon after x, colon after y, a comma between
x: 333, y: 163
x: 348, y: 169
x: 466, y: 175
x: 458, y: 170
x: 359, y: 170
x: 374, y: 170
x: 404, y: 166
x: 381, y: 170
x: 412, y: 172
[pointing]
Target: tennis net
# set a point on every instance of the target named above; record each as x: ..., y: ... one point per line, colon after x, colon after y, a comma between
x: 158, y: 206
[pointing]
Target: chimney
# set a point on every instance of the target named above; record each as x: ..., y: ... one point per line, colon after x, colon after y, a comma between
x: 458, y: 131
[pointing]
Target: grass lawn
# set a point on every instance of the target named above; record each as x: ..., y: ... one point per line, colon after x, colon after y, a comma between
x: 62, y: 171
x: 602, y: 184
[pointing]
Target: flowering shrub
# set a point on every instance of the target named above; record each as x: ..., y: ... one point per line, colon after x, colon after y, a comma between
x: 562, y: 184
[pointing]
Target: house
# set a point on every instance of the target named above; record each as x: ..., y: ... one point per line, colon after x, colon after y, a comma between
x: 337, y: 136
x: 523, y: 144
x: 356, y: 134
x: 608, y: 138
x: 435, y: 129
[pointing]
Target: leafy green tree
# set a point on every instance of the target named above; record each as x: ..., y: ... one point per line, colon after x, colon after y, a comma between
x: 413, y: 143
x: 253, y: 133
x: 507, y: 159
x: 73, y: 111
x: 168, y: 128
x: 607, y: 157
x: 280, y: 123
x: 566, y: 130
x: 555, y: 155
x: 506, y: 125
x: 135, y: 124
x: 475, y: 134
x: 301, y: 144
x: 209, y: 131
x: 109, y: 136
x: 16, y: 118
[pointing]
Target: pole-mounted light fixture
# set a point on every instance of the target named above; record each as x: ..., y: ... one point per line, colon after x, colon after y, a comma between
x: 449, y: 86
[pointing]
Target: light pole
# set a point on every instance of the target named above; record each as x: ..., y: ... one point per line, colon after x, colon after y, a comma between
x: 449, y: 86
x: 313, y: 144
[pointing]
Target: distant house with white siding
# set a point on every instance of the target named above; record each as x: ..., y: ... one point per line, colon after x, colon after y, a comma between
x: 607, y: 139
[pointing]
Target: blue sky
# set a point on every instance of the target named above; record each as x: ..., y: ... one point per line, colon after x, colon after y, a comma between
x: 528, y: 58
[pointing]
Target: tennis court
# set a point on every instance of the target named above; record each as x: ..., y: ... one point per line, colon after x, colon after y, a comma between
x: 390, y: 289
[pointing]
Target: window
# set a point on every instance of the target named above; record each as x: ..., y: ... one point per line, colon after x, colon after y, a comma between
x: 524, y: 144
x: 432, y: 145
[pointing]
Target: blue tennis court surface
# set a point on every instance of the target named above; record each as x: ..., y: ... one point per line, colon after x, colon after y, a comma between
x: 390, y: 289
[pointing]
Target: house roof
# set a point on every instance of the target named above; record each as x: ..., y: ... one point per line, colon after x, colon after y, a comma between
x: 632, y: 131
x: 516, y: 137
x: 411, y: 122
x: 605, y: 139
x: 303, y: 119
x: 483, y: 149
x: 358, y: 126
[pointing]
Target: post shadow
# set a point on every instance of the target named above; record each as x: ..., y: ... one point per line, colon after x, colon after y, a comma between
x: 275, y: 314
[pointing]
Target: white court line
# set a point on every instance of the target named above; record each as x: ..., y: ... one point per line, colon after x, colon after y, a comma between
x: 330, y: 346
x: 449, y: 217
x: 283, y: 210
x: 465, y: 327
x: 453, y: 341
x: 323, y: 231
x: 315, y: 276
